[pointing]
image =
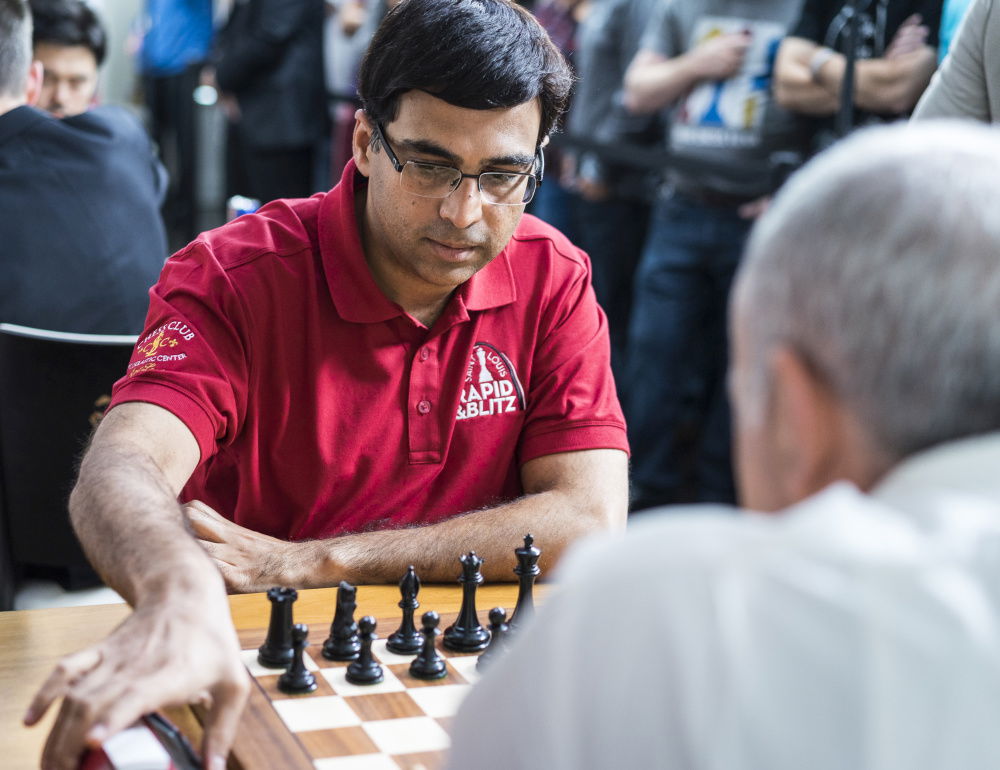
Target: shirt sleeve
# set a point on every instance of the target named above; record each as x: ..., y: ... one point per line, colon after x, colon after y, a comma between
x: 571, y: 401
x: 192, y: 356
x: 663, y: 36
x: 958, y: 88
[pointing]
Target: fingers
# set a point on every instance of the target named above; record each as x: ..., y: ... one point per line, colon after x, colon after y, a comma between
x: 223, y: 720
x: 62, y: 678
x: 206, y: 523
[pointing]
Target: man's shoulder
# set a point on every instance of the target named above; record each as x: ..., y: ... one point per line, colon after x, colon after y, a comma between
x: 281, y: 229
x: 534, y: 239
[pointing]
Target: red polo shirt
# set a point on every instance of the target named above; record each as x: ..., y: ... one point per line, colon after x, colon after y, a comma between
x: 322, y: 408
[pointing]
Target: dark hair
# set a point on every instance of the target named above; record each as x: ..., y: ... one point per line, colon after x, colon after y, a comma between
x: 68, y: 23
x: 15, y: 46
x: 478, y: 54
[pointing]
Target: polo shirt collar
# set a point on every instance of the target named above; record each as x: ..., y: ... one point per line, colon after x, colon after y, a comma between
x: 355, y: 294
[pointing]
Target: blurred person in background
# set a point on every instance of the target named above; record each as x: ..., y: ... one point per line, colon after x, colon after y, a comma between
x: 612, y: 200
x: 555, y: 201
x: 895, y: 55
x: 176, y: 40
x: 70, y: 43
x: 81, y: 230
x: 269, y: 59
x: 709, y: 65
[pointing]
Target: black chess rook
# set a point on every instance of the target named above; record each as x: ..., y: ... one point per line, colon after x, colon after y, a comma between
x: 297, y: 679
x: 527, y: 572
x: 429, y: 664
x: 407, y: 640
x: 467, y: 634
x: 365, y: 670
x: 277, y: 649
x: 343, y: 642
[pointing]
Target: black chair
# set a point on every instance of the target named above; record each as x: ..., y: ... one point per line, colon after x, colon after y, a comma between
x: 54, y: 388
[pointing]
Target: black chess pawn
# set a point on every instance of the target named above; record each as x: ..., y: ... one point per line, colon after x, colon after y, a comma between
x: 365, y: 670
x: 343, y: 642
x: 527, y: 571
x: 498, y: 631
x: 298, y: 680
x: 277, y: 649
x: 429, y: 664
x: 467, y: 634
x: 407, y: 640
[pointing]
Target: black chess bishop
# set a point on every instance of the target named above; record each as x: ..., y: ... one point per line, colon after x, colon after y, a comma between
x: 407, y: 640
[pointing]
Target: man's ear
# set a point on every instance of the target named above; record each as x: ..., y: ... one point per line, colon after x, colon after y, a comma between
x: 33, y: 89
x: 361, y: 141
x: 808, y: 424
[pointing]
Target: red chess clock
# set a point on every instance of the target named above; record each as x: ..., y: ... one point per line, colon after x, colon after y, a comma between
x: 152, y: 743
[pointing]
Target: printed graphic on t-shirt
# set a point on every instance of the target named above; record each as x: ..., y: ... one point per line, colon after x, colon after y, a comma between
x: 160, y: 346
x: 491, y: 384
x: 729, y: 113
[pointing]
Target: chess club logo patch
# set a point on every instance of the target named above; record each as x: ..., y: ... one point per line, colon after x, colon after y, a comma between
x: 159, y: 346
x: 491, y: 384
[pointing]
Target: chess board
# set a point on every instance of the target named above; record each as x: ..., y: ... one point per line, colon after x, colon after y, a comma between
x: 402, y: 722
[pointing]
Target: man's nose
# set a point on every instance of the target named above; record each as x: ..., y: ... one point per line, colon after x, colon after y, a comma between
x: 464, y: 207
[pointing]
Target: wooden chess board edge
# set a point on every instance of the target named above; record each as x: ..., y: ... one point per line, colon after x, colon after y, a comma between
x: 262, y: 740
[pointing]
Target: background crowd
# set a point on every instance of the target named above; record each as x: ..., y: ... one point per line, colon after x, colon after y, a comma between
x: 686, y: 118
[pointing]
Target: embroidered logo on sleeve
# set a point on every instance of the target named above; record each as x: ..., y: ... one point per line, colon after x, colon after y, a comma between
x: 491, y: 384
x: 160, y: 346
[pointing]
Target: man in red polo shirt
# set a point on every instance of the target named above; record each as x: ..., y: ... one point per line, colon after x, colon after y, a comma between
x: 392, y: 373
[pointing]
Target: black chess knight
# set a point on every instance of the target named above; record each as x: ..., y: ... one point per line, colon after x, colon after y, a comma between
x: 467, y: 634
x: 277, y: 649
x: 343, y: 642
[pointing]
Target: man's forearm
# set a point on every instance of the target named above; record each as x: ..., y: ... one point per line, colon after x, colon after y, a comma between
x: 889, y: 86
x: 795, y: 88
x: 382, y: 557
x: 125, y: 512
x: 585, y: 493
x: 652, y: 85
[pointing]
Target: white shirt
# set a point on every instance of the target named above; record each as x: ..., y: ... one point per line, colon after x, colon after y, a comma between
x: 852, y: 631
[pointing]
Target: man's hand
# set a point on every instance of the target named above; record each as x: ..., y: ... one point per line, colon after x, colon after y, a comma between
x: 911, y: 36
x: 722, y: 56
x: 167, y: 654
x: 249, y: 561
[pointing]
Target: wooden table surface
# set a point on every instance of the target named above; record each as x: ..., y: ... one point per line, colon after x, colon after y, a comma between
x: 33, y: 641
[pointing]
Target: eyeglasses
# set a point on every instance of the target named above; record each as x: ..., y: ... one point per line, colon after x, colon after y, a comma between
x: 431, y: 180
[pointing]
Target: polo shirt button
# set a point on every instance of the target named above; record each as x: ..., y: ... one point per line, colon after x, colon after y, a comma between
x: 424, y: 354
x: 424, y: 407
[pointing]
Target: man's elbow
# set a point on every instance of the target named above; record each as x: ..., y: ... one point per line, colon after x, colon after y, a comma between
x: 637, y: 102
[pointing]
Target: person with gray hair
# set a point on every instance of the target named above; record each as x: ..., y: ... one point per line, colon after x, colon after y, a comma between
x: 858, y: 628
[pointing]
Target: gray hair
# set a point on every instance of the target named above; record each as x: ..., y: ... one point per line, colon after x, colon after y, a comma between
x: 879, y: 264
x: 15, y: 46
